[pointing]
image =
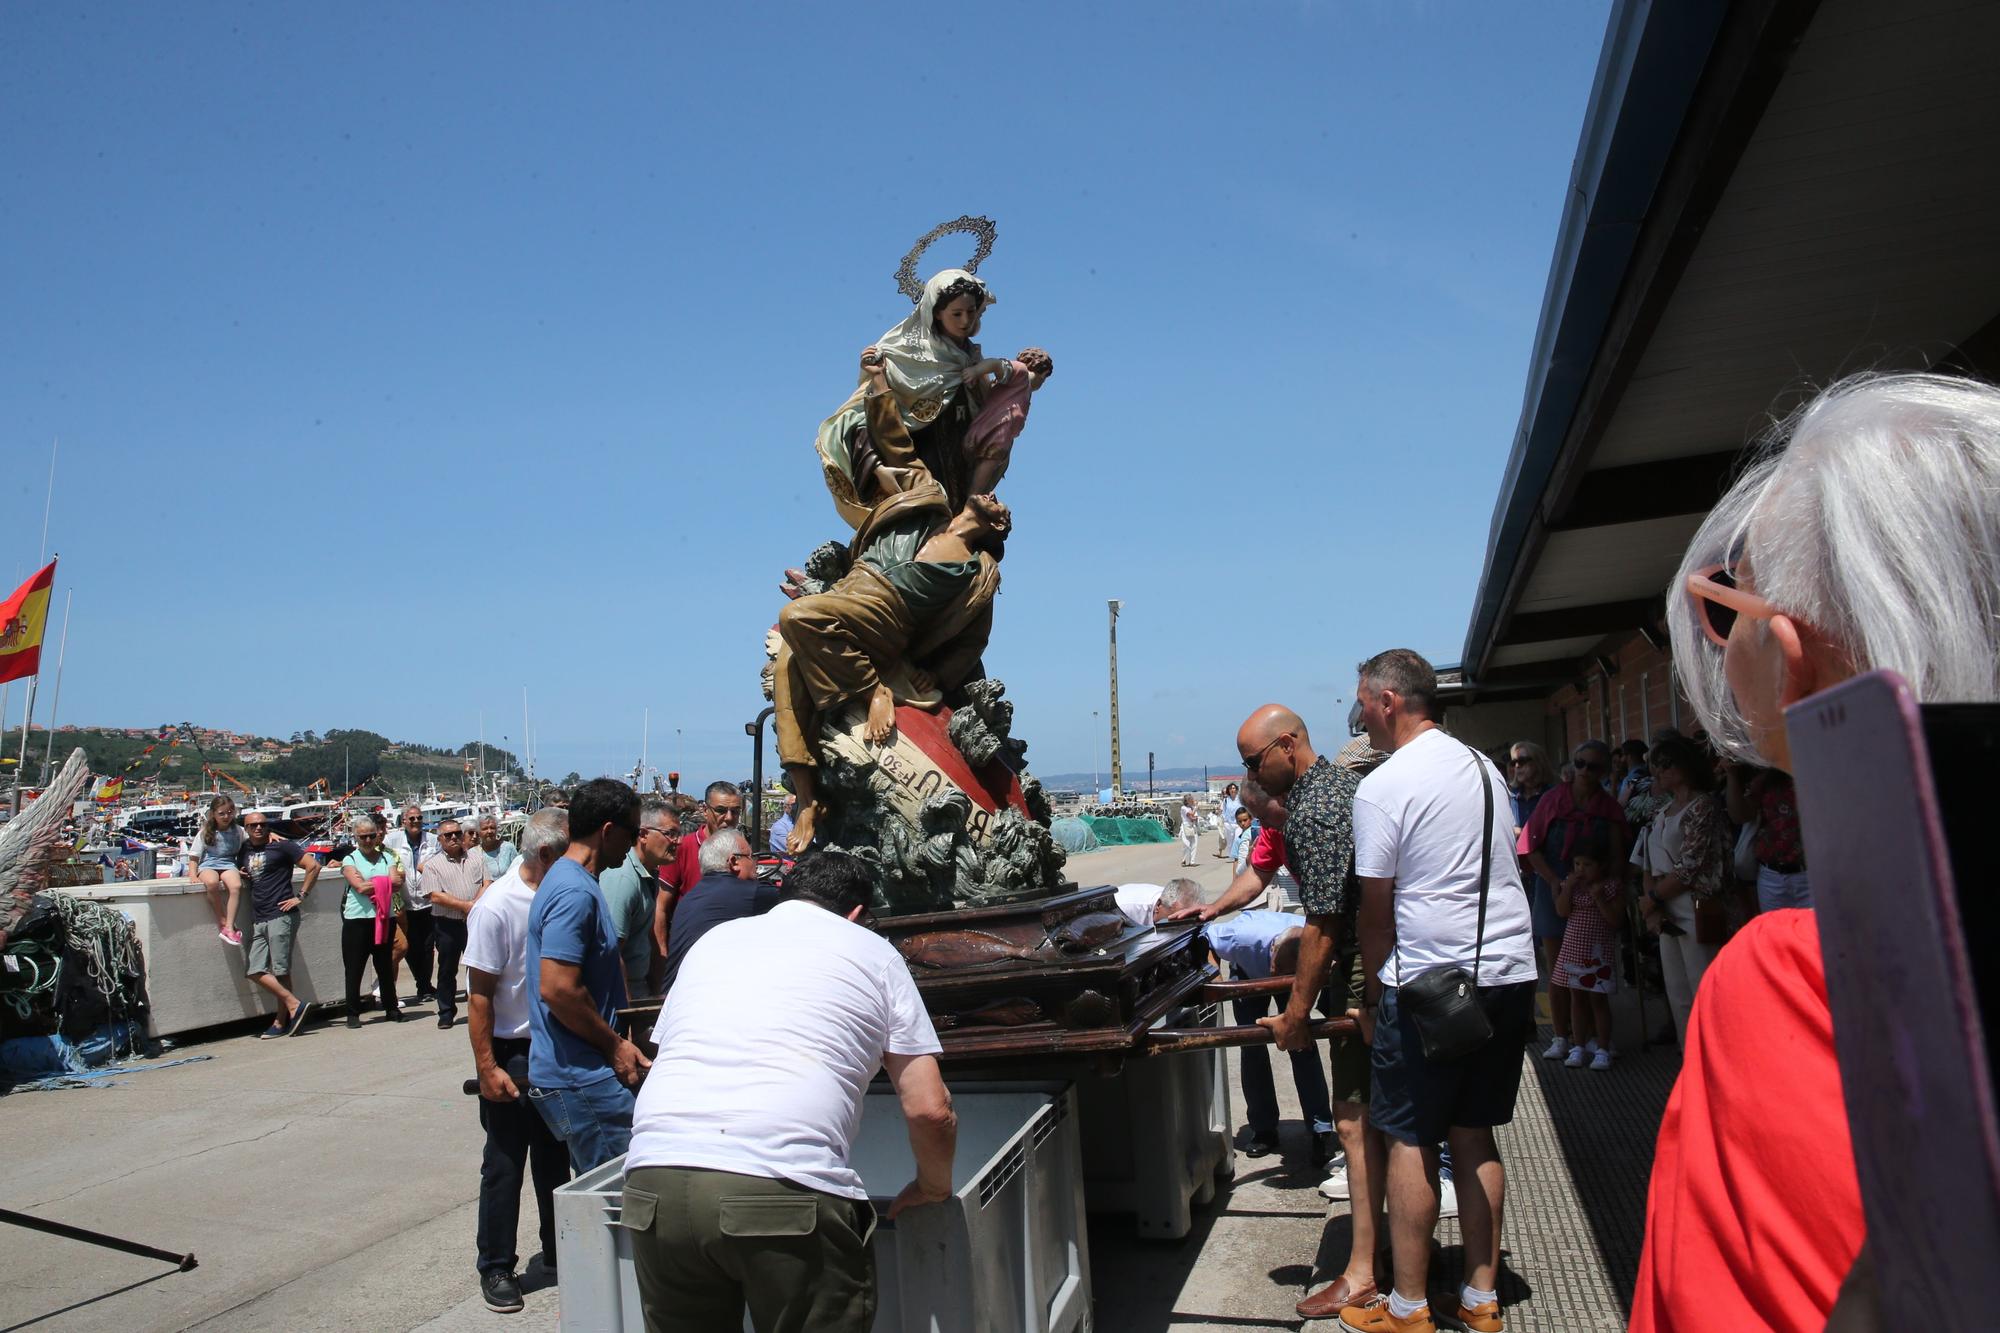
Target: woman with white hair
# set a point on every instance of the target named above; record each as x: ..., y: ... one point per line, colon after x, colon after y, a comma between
x: 369, y: 912
x: 1867, y: 536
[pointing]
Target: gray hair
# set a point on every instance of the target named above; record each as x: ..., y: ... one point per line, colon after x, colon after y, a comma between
x: 412, y: 809
x: 719, y: 847
x: 1179, y: 895
x: 655, y: 812
x: 1870, y: 515
x: 484, y: 820
x: 354, y: 825
x: 547, y: 830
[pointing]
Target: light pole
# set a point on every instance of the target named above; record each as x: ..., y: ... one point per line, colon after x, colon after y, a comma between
x: 1094, y: 787
x: 1116, y: 776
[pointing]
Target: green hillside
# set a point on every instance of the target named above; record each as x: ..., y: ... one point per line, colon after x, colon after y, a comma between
x: 291, y: 763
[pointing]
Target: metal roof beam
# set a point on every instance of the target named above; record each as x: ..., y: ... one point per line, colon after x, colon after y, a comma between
x: 1641, y: 491
x: 1573, y: 622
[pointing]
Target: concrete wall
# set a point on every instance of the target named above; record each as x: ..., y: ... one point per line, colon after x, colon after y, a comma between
x: 193, y: 979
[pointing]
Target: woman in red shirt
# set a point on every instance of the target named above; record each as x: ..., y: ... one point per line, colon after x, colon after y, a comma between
x: 1867, y: 536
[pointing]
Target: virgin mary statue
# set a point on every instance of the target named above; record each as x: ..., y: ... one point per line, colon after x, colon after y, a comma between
x: 927, y: 366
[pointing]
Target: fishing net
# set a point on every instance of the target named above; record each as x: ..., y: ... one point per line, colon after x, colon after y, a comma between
x: 1116, y: 832
x: 73, y: 967
x: 1073, y: 835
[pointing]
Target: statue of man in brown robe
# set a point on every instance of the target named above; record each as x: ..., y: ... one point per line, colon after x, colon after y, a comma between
x: 916, y: 605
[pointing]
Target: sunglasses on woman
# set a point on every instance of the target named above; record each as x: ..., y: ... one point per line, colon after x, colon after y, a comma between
x: 1718, y: 601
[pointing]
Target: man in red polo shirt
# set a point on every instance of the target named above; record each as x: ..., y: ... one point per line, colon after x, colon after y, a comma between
x: 722, y: 807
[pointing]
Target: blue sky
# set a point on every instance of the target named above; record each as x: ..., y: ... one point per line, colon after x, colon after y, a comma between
x: 404, y: 356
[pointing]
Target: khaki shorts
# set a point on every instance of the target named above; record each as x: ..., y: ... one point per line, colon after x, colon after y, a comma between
x: 1349, y: 1056
x: 271, y: 945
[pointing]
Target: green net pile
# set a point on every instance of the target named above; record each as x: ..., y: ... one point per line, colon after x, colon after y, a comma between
x: 1126, y: 832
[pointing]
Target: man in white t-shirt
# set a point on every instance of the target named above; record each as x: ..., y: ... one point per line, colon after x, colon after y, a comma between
x: 1419, y: 823
x: 737, y: 1185
x: 518, y: 1141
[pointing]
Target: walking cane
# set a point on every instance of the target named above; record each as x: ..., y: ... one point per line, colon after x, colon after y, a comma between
x: 183, y: 1262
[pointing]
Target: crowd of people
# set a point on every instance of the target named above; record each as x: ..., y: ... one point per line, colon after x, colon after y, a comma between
x: 1440, y: 895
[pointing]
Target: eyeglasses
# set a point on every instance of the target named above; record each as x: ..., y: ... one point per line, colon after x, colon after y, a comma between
x: 254, y: 823
x: 1253, y: 762
x: 1520, y: 759
x: 1718, y: 601
x: 1589, y: 765
x: 455, y: 833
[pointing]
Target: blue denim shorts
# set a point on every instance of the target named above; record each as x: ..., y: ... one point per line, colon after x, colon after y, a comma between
x: 1416, y: 1100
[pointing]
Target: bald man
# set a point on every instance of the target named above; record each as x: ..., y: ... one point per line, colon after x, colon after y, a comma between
x: 1317, y: 797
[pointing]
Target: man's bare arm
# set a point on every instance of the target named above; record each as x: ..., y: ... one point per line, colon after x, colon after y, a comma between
x: 564, y: 993
x: 933, y: 1127
x: 1375, y: 928
x: 1242, y: 891
x: 494, y: 1083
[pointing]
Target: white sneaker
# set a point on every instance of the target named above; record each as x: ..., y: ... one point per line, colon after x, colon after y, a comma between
x: 1334, y: 1186
x: 1602, y: 1060
x: 1591, y: 1047
x: 1557, y: 1049
x: 1447, y: 1198
x: 1576, y: 1057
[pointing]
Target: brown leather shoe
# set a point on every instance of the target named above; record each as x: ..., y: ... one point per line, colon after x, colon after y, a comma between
x: 1326, y: 1303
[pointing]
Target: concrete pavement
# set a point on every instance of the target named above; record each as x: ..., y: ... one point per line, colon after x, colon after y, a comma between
x: 328, y: 1182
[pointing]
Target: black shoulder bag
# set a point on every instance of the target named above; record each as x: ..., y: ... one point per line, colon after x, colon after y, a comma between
x: 1443, y: 1003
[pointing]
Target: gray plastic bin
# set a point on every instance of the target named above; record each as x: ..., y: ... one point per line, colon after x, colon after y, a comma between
x: 1157, y: 1135
x: 1007, y: 1254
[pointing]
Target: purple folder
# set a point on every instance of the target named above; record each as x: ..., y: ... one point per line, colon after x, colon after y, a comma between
x: 1889, y: 795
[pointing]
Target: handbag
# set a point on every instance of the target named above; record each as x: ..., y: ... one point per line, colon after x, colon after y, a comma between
x: 1443, y: 1002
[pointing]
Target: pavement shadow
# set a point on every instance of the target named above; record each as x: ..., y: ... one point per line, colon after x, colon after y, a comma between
x: 1138, y: 1283
x: 1605, y: 1125
x: 74, y: 1306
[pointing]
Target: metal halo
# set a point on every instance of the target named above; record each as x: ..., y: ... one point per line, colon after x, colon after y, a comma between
x: 906, y: 275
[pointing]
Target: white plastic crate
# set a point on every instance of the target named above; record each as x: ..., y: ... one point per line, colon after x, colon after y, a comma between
x: 1007, y: 1254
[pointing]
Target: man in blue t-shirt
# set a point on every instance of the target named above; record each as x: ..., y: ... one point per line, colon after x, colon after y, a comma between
x: 580, y: 1070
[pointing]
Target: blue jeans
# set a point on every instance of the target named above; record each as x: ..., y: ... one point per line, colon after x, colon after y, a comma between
x: 1260, y: 1093
x: 593, y: 1121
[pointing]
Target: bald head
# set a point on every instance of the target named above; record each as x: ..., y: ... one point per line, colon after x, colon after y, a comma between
x: 1275, y: 748
x: 1266, y: 725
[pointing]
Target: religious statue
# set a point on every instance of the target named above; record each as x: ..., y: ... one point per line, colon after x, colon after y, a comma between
x: 897, y: 745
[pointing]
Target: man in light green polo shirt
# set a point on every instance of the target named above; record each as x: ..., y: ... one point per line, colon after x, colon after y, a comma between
x: 631, y: 888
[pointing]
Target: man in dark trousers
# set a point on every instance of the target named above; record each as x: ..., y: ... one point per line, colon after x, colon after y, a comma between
x: 518, y: 1141
x: 728, y: 889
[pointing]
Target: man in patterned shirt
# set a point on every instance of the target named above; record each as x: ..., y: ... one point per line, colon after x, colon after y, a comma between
x: 1317, y: 797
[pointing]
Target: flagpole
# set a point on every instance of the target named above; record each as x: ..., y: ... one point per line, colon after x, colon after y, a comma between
x: 62, y: 649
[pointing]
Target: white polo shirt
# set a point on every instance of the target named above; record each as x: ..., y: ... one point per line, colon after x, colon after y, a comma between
x: 496, y: 941
x: 1417, y: 821
x: 768, y: 1041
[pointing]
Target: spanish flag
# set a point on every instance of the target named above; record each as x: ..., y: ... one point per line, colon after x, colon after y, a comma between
x: 23, y: 617
x: 110, y: 789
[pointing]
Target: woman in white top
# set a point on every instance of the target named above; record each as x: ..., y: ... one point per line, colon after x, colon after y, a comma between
x: 1190, y: 831
x: 215, y: 847
x: 1225, y: 822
